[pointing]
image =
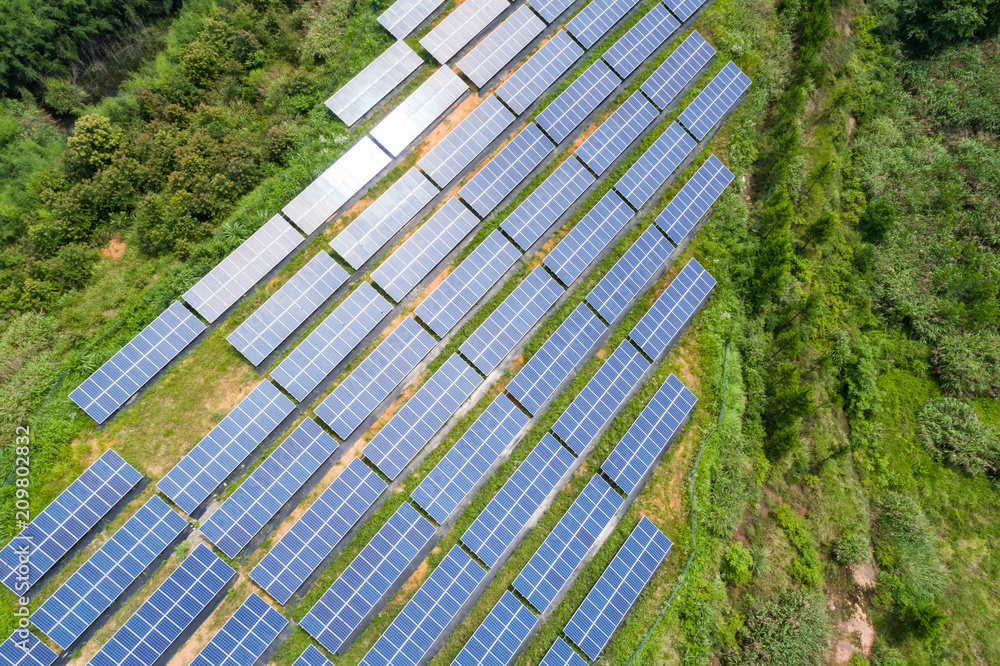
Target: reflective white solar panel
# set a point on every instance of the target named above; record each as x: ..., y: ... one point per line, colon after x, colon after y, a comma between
x: 312, y: 657
x: 714, y: 101
x: 611, y: 599
x: 641, y: 40
x: 424, y: 249
x: 461, y: 26
x: 418, y: 111
x: 244, y: 637
x: 468, y: 283
x: 403, y: 16
x: 550, y: 10
x: 334, y: 187
x: 597, y: 19
x: 501, y: 636
x: 534, y: 77
x: 464, y: 143
x: 22, y: 648
x: 665, y: 84
x: 561, y: 654
x: 577, y: 102
x: 498, y: 48
x: 373, y: 228
x: 659, y: 327
x: 699, y: 194
x: 374, y: 82
x: 503, y: 173
x: 651, y: 170
x: 616, y: 134
x: 126, y: 372
x: 588, y: 238
x: 614, y: 293
x: 683, y: 9
x: 545, y: 205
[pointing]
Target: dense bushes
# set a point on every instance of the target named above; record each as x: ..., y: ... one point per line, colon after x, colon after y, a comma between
x: 788, y: 629
x: 951, y: 429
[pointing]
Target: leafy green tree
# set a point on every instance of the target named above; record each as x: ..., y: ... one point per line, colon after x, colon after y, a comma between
x: 877, y: 220
x: 788, y: 401
x: 932, y: 24
x: 93, y: 145
x: 775, y: 259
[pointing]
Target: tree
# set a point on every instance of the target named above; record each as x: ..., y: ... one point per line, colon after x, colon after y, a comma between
x: 93, y: 145
x: 788, y: 401
x: 877, y: 220
x: 775, y: 259
x: 932, y: 24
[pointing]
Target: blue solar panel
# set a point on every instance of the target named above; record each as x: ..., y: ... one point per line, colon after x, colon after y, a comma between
x: 683, y: 9
x: 714, y: 101
x: 363, y: 587
x: 597, y: 18
x: 550, y: 9
x: 64, y: 522
x: 551, y: 365
x: 612, y: 598
x: 534, y: 77
x: 126, y: 372
x: 617, y: 133
x: 312, y: 657
x: 415, y: 423
x: 651, y: 170
x: 564, y: 549
x: 658, y: 328
x: 363, y: 390
x: 24, y: 649
x: 601, y: 398
x: 664, y: 86
x: 331, y: 342
x: 464, y: 143
x: 218, y: 455
x: 561, y: 654
x: 451, y: 481
x: 427, y: 617
x: 511, y: 321
x: 577, y: 102
x: 641, y: 40
x: 504, y: 173
x: 614, y: 293
x: 501, y: 636
x: 588, y: 238
x: 468, y: 283
x: 314, y: 536
x: 505, y: 519
x: 160, y: 621
x: 492, y: 55
x: 545, y: 205
x: 244, y: 637
x: 269, y: 487
x: 102, y: 579
x: 699, y: 194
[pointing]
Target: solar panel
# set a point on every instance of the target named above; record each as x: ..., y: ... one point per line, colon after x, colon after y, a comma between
x: 269, y: 487
x: 372, y: 381
x: 503, y: 173
x: 505, y: 519
x: 511, y: 321
x: 359, y: 95
x: 588, y: 238
x: 578, y: 101
x: 330, y: 342
x: 611, y: 599
x: 664, y: 86
x: 368, y: 580
x: 468, y: 283
x: 715, y: 101
x: 286, y: 310
x: 651, y: 170
x: 244, y: 637
x: 23, y: 648
x: 461, y: 26
x: 498, y: 48
x: 418, y: 111
x: 656, y: 426
x: 597, y: 18
x: 311, y: 656
x: 334, y: 187
x: 415, y: 423
x: 602, y: 397
x: 136, y: 363
x: 534, y: 77
x: 225, y: 448
x: 466, y: 464
x: 378, y: 223
x: 501, y: 636
x: 653, y: 30
x: 683, y: 9
x: 550, y: 366
x: 104, y: 577
x: 464, y: 143
x: 403, y: 16
x: 161, y: 619
x: 64, y: 522
x: 550, y: 10
x: 691, y: 204
x: 616, y: 134
x: 314, y: 536
x: 545, y: 205
x: 566, y: 547
x: 561, y: 654
x: 658, y: 328
x: 614, y: 293
x: 425, y: 249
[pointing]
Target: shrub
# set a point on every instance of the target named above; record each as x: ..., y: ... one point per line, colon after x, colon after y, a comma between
x: 788, y: 629
x: 951, y: 429
x: 737, y: 564
x: 806, y: 568
x: 92, y: 146
x: 852, y: 547
x: 877, y: 220
x: 968, y: 365
x: 64, y: 96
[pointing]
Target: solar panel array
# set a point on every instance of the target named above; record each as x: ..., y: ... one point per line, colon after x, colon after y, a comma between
x: 415, y: 423
x: 503, y: 173
x: 512, y: 320
x: 367, y: 386
x: 616, y: 134
x: 466, y: 464
x: 374, y: 573
x: 427, y: 615
x: 208, y: 464
x: 464, y: 143
x: 311, y: 656
x: 378, y: 223
x: 403, y: 16
x: 541, y: 70
x: 588, y: 238
x: 597, y: 18
x: 422, y: 251
x: 561, y: 654
x: 67, y: 519
x: 651, y: 170
x: 329, y: 343
x: 506, y: 517
x: 491, y: 55
x: 565, y: 548
x: 359, y: 95
x: 269, y: 487
x: 468, y: 283
x: 664, y: 86
x: 314, y: 536
x: 614, y: 293
x: 714, y: 101
x: 601, y: 398
x: 26, y: 650
x: 244, y: 637
x: 578, y: 101
x: 653, y: 30
x: 409, y: 120
x: 101, y: 394
x: 501, y: 636
x: 161, y: 619
x: 657, y: 329
x: 460, y: 27
x: 612, y: 597
x: 699, y: 194
x: 551, y: 9
x: 683, y: 9
x: 545, y: 205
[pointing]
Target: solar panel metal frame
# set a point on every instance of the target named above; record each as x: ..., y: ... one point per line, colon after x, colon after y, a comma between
x: 312, y: 657
x: 617, y: 133
x: 466, y: 141
x: 715, y: 101
x: 404, y: 16
x: 673, y: 310
x: 491, y: 55
x: 694, y: 200
x: 614, y: 294
x: 651, y: 32
x: 578, y: 101
x: 542, y: 69
x: 597, y: 18
x: 245, y: 636
x: 460, y: 27
x: 371, y: 85
x: 546, y: 204
x: 665, y: 85
x: 35, y: 653
x: 656, y: 165
x: 683, y: 9
x: 561, y: 654
x: 588, y: 238
x: 416, y: 113
x: 508, y: 169
x: 501, y: 636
